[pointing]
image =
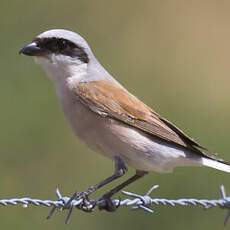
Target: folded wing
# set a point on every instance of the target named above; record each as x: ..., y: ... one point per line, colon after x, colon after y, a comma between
x: 112, y: 100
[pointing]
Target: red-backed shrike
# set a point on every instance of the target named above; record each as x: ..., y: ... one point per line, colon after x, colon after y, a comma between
x: 108, y: 118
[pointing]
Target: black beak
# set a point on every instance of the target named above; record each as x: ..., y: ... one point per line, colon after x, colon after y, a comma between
x: 31, y: 49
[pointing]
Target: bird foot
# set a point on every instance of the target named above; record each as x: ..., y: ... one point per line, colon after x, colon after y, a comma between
x: 106, y: 203
x: 81, y: 195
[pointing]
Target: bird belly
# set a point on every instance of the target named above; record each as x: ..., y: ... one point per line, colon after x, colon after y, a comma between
x: 146, y: 152
x: 111, y: 138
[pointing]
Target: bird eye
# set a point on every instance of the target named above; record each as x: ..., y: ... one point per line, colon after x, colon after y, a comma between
x: 62, y: 44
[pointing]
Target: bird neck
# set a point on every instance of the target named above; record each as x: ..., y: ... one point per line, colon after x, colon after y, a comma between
x: 77, y: 73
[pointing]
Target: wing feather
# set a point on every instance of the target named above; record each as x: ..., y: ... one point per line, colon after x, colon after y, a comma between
x: 112, y: 100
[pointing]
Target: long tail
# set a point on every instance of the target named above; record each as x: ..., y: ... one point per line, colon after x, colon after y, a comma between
x: 222, y: 166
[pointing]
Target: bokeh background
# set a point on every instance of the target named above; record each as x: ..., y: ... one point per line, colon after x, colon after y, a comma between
x: 172, y: 54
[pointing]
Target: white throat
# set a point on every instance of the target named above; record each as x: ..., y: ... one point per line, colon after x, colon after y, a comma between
x: 60, y: 73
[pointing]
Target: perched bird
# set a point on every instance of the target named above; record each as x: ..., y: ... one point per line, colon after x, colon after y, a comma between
x: 108, y: 118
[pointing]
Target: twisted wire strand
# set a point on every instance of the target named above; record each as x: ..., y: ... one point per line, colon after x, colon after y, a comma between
x: 136, y: 201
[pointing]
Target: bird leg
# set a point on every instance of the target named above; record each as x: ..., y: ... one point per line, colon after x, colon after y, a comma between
x: 105, y: 201
x: 119, y: 170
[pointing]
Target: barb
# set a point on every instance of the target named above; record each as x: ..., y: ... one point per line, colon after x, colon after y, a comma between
x: 144, y: 202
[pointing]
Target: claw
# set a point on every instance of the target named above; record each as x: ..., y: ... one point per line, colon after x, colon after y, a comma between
x: 106, y: 203
x: 87, y: 205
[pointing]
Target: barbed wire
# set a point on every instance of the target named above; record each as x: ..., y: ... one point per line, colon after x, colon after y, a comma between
x: 136, y: 201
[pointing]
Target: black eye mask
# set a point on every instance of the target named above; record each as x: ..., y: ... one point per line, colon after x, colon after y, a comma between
x: 62, y: 46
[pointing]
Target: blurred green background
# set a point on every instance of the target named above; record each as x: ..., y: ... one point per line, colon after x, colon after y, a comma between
x: 172, y: 54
